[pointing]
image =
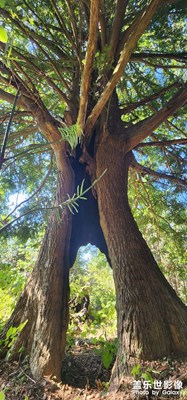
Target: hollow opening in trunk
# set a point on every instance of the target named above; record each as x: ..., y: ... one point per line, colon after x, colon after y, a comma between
x: 91, y: 336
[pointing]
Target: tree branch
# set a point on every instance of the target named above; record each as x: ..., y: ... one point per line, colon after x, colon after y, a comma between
x: 24, y: 133
x: 163, y: 143
x: 88, y: 66
x: 161, y: 66
x: 18, y: 116
x: 33, y: 36
x: 102, y: 22
x: 143, y: 129
x: 117, y: 25
x: 32, y: 195
x: 45, y: 121
x: 10, y: 98
x: 8, y: 130
x: 133, y: 34
x: 177, y: 128
x: 28, y: 81
x: 74, y: 29
x: 16, y: 82
x: 37, y: 39
x: 158, y: 175
x: 171, y: 56
x: 154, y: 96
x: 62, y: 24
x: 42, y: 73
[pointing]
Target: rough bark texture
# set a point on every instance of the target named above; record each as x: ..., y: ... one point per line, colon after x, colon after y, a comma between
x: 44, y: 302
x: 152, y: 320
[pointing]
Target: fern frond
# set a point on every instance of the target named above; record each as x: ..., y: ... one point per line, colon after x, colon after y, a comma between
x: 71, y: 134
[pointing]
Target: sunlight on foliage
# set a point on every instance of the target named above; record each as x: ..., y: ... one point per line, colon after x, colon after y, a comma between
x: 3, y: 35
x: 92, y: 276
x: 16, y: 263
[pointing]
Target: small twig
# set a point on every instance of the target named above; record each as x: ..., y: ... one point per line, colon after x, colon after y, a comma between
x: 32, y: 380
x: 13, y: 373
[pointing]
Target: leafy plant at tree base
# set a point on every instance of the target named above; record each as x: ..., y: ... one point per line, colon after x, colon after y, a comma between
x: 136, y: 371
x: 11, y: 336
x: 16, y: 262
x: 107, y: 350
x: 138, y: 374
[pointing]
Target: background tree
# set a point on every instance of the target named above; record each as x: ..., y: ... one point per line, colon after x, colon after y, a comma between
x: 115, y: 74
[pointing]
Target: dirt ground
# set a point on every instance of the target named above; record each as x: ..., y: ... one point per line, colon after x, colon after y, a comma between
x: 85, y: 378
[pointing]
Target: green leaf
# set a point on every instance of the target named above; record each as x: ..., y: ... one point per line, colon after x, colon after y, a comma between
x: 70, y: 208
x: 2, y: 3
x: 22, y: 325
x: 12, y: 341
x: 107, y: 357
x: 147, y: 376
x: 71, y: 135
x: 78, y: 190
x: 136, y: 370
x: 11, y: 332
x: 31, y: 21
x: 2, y: 396
x: 3, y: 35
x: 74, y: 206
x: 82, y: 186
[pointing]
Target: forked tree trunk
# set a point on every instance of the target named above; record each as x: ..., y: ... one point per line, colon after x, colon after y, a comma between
x: 44, y: 302
x: 152, y: 320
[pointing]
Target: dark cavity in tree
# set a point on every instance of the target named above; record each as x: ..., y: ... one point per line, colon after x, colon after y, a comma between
x: 85, y: 224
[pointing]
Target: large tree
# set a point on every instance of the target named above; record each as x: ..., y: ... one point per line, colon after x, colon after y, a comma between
x: 115, y: 74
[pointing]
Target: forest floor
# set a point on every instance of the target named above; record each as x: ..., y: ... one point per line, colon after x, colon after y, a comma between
x: 85, y: 378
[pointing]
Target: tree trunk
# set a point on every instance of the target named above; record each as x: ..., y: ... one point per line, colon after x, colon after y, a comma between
x: 44, y: 302
x: 152, y: 320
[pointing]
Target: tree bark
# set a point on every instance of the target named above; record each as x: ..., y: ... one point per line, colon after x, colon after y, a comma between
x: 152, y: 320
x: 44, y: 302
